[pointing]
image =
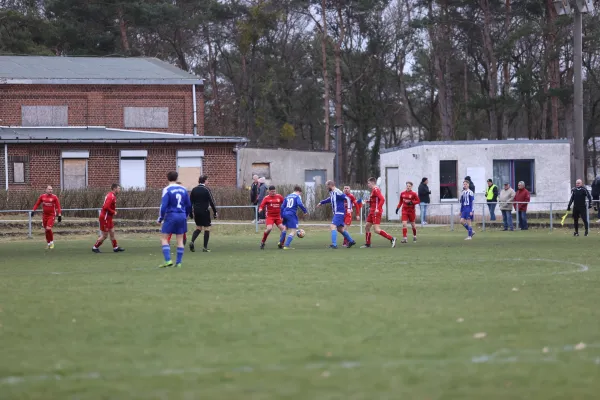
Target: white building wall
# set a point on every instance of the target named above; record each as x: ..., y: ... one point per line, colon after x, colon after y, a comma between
x: 552, y: 167
x: 286, y: 167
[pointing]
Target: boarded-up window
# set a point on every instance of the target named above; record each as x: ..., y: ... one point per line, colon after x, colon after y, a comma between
x: 262, y: 170
x: 146, y: 117
x: 190, y: 169
x: 74, y: 173
x: 19, y: 172
x: 44, y: 115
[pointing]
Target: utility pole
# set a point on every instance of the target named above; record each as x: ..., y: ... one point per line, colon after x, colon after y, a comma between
x: 338, y: 154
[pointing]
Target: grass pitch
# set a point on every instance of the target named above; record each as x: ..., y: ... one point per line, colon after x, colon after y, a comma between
x: 240, y: 323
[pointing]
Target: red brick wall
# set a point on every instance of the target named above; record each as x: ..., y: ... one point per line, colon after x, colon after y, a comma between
x: 2, y: 173
x: 102, y: 105
x: 219, y: 163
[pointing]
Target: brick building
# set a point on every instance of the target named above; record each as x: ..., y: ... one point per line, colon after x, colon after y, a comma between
x: 78, y: 122
x: 77, y: 158
x: 121, y: 93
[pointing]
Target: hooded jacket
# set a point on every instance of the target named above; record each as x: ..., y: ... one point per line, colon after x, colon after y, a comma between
x: 596, y: 187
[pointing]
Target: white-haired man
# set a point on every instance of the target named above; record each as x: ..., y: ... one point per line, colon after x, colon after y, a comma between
x: 579, y: 195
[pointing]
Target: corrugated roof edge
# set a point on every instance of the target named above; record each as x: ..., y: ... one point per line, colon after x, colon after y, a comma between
x: 471, y: 142
x: 104, y: 81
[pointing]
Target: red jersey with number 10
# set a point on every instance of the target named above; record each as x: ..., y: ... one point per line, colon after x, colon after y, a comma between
x: 376, y: 201
x: 50, y: 204
x: 408, y: 200
x: 272, y: 205
x: 110, y: 206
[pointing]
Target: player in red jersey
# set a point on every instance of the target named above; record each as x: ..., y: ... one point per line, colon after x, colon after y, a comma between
x: 272, y: 203
x: 375, y: 210
x: 351, y: 204
x: 107, y: 226
x: 51, y: 209
x: 408, y: 201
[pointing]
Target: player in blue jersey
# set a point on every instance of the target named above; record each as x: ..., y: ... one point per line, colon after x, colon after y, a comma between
x: 467, y: 197
x: 174, y: 210
x: 289, y: 214
x: 337, y: 198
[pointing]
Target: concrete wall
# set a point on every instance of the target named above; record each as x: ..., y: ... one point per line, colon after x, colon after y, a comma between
x: 286, y: 166
x: 552, y: 167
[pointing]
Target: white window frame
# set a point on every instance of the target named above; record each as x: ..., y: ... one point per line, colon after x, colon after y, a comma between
x: 133, y: 155
x: 191, y: 154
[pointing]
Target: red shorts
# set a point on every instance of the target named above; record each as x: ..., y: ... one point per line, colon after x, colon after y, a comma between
x: 374, y: 219
x: 48, y: 221
x: 106, y: 224
x: 409, y: 215
x: 348, y: 219
x: 276, y: 221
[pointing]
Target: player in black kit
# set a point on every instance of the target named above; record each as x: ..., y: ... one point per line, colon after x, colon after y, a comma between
x: 578, y: 196
x: 202, y: 199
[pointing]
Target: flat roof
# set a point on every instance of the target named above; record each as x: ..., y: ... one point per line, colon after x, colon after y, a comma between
x: 472, y: 142
x: 100, y: 134
x: 44, y: 70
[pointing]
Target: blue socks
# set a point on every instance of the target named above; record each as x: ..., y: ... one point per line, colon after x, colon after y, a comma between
x: 180, y: 251
x: 347, y: 236
x: 288, y: 242
x: 282, y: 237
x: 334, y: 238
x: 469, y: 229
x: 167, y: 252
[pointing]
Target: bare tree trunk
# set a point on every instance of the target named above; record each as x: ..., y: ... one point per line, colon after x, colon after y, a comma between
x: 492, y: 71
x: 506, y: 78
x: 553, y: 65
x: 338, y: 93
x: 325, y: 73
x: 544, y: 118
x: 469, y: 113
x: 212, y: 70
x: 123, y: 30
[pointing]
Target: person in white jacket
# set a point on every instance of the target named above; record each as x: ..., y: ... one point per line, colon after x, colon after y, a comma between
x: 506, y: 197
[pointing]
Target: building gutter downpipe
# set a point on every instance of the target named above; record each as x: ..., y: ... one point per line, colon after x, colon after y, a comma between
x: 6, y: 165
x: 195, y: 111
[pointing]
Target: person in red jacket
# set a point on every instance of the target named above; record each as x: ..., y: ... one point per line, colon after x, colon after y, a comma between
x: 107, y: 226
x: 522, y: 198
x: 51, y: 209
x: 272, y: 204
x: 375, y: 211
x: 408, y: 201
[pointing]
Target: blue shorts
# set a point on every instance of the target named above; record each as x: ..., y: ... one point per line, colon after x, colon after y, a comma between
x: 466, y: 215
x: 290, y: 220
x: 175, y: 223
x: 338, y: 220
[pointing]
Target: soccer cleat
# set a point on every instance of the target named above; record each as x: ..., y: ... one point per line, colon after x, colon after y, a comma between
x: 166, y: 264
x: 280, y: 246
x: 414, y: 239
x: 365, y: 246
x: 288, y: 248
x: 468, y: 238
x: 393, y: 241
x: 192, y: 247
x: 262, y: 246
x: 51, y: 246
x: 95, y: 250
x: 118, y: 249
x: 404, y: 240
x: 351, y: 244
x: 333, y: 247
x: 178, y: 265
x: 575, y: 233
x: 586, y: 233
x: 205, y: 250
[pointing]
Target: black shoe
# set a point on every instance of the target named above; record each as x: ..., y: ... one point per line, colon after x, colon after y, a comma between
x: 575, y: 233
x: 351, y: 244
x: 205, y: 250
x: 279, y: 246
x: 586, y: 233
x: 118, y: 250
x: 192, y: 248
x: 262, y: 246
x: 333, y: 247
x: 96, y: 251
x: 505, y: 229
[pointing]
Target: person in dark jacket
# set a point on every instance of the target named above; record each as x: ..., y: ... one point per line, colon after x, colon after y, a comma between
x: 471, y: 184
x: 254, y: 190
x: 262, y: 192
x: 579, y: 194
x: 202, y: 199
x: 425, y: 196
x: 596, y: 195
x: 491, y: 195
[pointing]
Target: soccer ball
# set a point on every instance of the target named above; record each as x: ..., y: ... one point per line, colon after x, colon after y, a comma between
x: 300, y: 233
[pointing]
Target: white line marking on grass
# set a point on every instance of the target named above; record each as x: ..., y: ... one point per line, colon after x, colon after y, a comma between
x: 580, y: 267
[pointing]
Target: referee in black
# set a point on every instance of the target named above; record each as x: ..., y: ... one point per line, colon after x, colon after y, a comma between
x: 202, y: 199
x: 578, y: 196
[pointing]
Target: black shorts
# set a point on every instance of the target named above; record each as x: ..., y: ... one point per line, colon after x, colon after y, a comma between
x: 579, y: 212
x: 202, y: 218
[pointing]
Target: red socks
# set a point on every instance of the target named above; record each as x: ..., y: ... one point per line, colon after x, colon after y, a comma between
x: 414, y: 232
x: 385, y: 235
x: 265, y: 236
x: 49, y: 236
x: 115, y: 245
x: 368, y: 238
x: 98, y: 243
x: 404, y: 232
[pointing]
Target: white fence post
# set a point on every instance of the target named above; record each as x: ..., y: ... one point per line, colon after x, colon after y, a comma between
x: 482, y: 217
x: 30, y: 232
x: 452, y: 216
x: 551, y: 217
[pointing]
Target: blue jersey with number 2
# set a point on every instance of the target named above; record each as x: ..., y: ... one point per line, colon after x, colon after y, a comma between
x: 175, y: 200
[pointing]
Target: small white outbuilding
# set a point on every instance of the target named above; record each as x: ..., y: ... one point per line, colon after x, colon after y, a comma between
x: 544, y: 166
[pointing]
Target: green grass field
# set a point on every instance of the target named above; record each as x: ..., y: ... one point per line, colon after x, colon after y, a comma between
x: 312, y: 323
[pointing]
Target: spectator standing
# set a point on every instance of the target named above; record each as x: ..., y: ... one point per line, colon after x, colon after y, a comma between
x: 254, y: 191
x: 471, y: 184
x: 425, y: 196
x: 579, y: 195
x: 596, y: 195
x: 505, y: 199
x: 491, y: 195
x: 262, y: 193
x: 522, y: 198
